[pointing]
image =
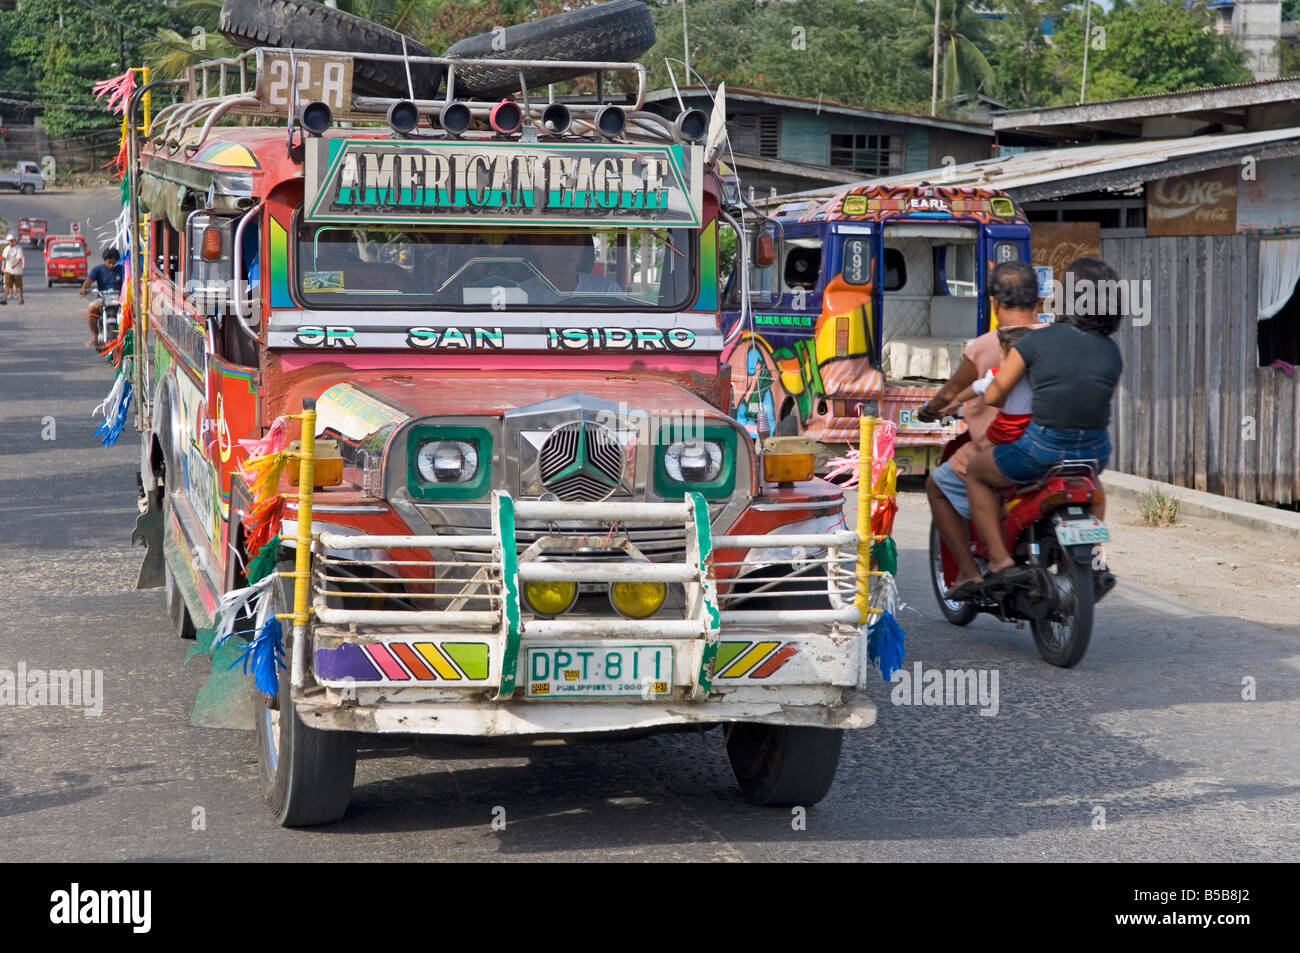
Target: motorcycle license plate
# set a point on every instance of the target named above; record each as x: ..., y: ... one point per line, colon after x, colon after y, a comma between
x: 1082, y: 532
x: 584, y: 671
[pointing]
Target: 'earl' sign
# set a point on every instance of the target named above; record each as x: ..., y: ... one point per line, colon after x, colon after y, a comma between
x: 506, y: 183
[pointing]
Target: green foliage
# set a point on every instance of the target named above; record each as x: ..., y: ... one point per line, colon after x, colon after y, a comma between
x: 865, y: 52
x: 1140, y: 47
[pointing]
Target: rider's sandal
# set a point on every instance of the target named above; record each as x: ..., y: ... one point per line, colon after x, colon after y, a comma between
x: 964, y: 591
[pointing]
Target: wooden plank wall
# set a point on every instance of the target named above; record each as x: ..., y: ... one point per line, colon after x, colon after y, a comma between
x: 1191, y: 377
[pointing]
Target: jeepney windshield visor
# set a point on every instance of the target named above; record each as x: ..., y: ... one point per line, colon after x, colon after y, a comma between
x: 591, y: 269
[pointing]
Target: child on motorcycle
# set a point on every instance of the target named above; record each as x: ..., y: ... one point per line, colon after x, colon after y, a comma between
x: 1014, y: 415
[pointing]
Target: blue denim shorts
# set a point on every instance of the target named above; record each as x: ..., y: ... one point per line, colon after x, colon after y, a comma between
x: 953, y: 487
x: 1040, y: 448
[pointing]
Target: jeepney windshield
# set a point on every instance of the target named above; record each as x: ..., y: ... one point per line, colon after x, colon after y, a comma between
x: 593, y: 269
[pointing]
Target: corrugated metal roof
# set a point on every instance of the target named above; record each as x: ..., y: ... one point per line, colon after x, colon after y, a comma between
x: 1028, y: 170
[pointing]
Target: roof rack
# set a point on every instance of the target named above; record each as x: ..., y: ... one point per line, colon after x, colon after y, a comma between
x: 241, y: 86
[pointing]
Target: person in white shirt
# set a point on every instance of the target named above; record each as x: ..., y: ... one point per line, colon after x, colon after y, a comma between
x: 14, y: 262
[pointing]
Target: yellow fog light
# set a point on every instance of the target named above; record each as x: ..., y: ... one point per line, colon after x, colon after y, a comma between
x: 638, y: 600
x: 550, y: 598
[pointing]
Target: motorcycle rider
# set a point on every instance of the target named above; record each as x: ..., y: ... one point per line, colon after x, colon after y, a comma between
x: 1013, y: 286
x: 1073, y: 367
x: 105, y: 277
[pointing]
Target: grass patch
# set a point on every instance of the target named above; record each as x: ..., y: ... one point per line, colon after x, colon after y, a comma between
x: 1158, y: 508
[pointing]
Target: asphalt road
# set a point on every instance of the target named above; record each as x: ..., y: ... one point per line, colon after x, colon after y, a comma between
x: 1151, y: 727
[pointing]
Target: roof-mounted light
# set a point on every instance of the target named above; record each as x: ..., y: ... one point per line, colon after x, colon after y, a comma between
x: 611, y: 121
x: 454, y: 118
x: 691, y: 126
x: 403, y: 116
x: 315, y: 118
x: 556, y: 119
x: 506, y: 117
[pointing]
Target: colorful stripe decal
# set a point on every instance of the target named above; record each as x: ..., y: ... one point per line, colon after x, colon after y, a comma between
x: 708, y: 299
x: 751, y: 658
x: 279, y: 270
x: 472, y: 657
x: 379, y: 654
x: 346, y: 661
x: 438, y: 661
x: 728, y: 651
x: 411, y: 661
x: 776, y: 661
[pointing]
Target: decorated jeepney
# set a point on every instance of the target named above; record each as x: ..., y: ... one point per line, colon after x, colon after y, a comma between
x: 865, y: 303
x: 436, y: 436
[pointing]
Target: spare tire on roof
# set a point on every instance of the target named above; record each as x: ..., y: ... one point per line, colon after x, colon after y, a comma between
x: 307, y: 25
x: 618, y: 31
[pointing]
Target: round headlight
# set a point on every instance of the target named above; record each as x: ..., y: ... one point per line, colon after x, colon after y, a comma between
x: 637, y: 600
x: 550, y: 598
x: 695, y: 461
x: 447, y: 461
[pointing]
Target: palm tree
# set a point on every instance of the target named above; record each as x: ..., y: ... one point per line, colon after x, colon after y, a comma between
x: 962, y: 32
x: 169, y: 54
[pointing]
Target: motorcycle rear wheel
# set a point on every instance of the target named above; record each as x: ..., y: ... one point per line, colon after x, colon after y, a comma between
x: 1063, y: 643
x: 958, y: 613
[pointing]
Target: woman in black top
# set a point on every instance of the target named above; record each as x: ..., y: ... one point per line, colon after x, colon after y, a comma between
x: 1073, y: 368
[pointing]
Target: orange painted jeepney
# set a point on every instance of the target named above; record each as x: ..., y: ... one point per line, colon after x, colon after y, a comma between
x: 866, y: 307
x: 496, y: 343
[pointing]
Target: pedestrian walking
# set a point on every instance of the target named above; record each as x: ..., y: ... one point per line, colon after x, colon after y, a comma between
x: 14, y: 261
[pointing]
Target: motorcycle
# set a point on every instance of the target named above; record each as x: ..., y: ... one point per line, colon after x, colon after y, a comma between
x: 1050, y: 531
x: 109, y: 318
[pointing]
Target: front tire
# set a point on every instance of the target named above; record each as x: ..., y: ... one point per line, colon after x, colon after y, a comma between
x: 29, y: 189
x: 306, y: 773
x: 958, y: 613
x: 784, y: 765
x: 1063, y: 642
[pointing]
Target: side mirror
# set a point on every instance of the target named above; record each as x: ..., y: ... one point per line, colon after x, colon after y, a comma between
x: 764, y: 250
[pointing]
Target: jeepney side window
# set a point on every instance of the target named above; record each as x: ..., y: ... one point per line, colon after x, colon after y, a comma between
x: 895, y: 270
x: 801, y: 269
x: 728, y: 273
x: 954, y: 269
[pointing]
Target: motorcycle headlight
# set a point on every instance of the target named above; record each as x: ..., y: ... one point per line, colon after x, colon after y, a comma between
x: 448, y: 462
x: 702, y: 461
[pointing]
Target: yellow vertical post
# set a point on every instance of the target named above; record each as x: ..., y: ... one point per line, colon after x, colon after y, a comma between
x: 867, y: 440
x: 306, y: 492
x: 302, y: 555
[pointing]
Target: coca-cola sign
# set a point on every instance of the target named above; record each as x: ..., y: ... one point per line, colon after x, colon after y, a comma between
x: 1203, y: 203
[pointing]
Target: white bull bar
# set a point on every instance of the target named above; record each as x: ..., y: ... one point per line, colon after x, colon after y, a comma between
x: 496, y: 584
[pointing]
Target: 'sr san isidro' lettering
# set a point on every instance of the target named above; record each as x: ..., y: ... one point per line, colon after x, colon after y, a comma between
x: 413, y: 180
x: 620, y: 339
x: 489, y: 339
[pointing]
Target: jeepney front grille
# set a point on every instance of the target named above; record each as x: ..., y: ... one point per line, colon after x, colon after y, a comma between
x: 581, y: 462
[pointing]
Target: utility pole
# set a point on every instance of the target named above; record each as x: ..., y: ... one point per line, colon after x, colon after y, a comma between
x: 686, y: 44
x: 934, y: 69
x: 1087, y: 31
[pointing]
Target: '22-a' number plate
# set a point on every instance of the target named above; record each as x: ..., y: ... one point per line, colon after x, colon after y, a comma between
x: 584, y: 671
x: 1082, y: 532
